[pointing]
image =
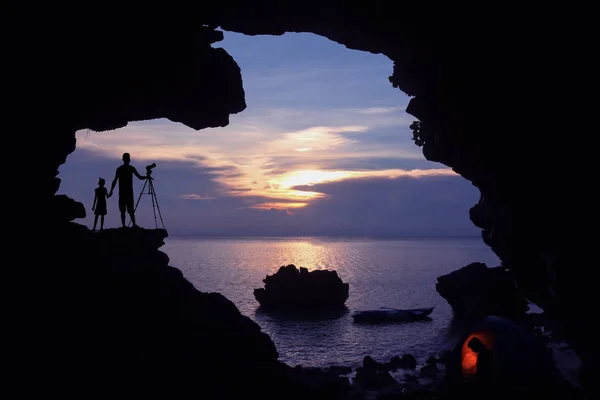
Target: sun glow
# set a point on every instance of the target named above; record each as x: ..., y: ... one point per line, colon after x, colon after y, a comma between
x: 279, y: 205
x: 287, y: 192
x: 269, y: 179
x: 308, y: 178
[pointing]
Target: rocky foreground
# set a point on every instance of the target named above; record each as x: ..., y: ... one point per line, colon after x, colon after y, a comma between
x: 142, y: 329
x: 139, y: 328
x: 399, y: 378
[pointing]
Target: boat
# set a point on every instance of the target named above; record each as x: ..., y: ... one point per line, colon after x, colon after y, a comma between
x: 387, y: 314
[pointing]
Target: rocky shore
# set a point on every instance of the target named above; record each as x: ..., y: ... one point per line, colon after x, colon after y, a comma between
x: 134, y: 307
x: 168, y: 337
x: 401, y: 377
x: 141, y: 329
x: 405, y: 377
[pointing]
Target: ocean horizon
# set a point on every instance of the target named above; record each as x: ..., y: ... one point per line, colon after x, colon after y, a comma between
x: 276, y: 237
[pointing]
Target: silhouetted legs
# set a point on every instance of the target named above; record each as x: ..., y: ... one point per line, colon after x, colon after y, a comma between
x: 96, y: 222
x: 126, y: 205
x: 131, y: 215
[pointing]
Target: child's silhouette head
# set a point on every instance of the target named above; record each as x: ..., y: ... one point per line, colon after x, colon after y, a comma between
x: 100, y: 182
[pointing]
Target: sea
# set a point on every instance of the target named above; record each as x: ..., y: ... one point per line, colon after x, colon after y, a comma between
x: 390, y: 272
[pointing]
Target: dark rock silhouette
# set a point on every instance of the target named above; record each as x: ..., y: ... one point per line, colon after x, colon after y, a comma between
x: 67, y: 209
x: 505, y: 108
x: 338, y: 370
x: 370, y: 366
x: 143, y: 329
x: 374, y: 376
x: 372, y: 380
x: 429, y: 370
x: 431, y: 360
x: 293, y: 289
x: 324, y: 383
x: 476, y: 291
x: 407, y: 361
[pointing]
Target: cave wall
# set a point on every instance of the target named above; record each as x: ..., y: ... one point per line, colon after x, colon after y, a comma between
x: 495, y: 93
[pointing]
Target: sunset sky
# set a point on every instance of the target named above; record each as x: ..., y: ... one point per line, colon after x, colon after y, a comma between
x: 323, y: 148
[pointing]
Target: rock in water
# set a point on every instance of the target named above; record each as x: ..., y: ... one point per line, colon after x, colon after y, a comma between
x: 476, y: 291
x: 293, y: 289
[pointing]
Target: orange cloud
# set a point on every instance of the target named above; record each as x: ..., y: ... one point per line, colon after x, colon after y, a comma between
x: 278, y: 205
x: 312, y: 177
x: 284, y: 187
x: 246, y: 160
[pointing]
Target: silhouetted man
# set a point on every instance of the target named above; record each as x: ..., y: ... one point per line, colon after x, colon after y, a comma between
x: 124, y: 175
x: 484, y: 375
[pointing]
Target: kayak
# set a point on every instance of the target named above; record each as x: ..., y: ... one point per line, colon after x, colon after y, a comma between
x: 387, y: 314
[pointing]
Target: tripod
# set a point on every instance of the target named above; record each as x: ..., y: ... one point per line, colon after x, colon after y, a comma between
x: 155, y: 206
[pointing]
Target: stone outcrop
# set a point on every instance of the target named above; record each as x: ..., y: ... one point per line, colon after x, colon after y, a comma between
x: 143, y: 329
x: 476, y: 291
x: 499, y: 94
x: 377, y: 377
x: 143, y: 325
x: 66, y: 208
x: 293, y: 289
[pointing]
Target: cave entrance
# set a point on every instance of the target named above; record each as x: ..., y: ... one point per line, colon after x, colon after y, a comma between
x: 324, y: 148
x: 322, y: 124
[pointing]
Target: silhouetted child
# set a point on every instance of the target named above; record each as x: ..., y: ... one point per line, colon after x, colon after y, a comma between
x: 99, y: 206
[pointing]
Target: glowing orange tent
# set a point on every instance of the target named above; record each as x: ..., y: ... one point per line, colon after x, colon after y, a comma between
x: 468, y: 357
x: 521, y: 363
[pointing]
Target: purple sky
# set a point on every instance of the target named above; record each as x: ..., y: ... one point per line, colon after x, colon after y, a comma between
x: 323, y: 148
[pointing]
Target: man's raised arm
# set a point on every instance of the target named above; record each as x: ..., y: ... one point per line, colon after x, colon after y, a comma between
x: 137, y: 174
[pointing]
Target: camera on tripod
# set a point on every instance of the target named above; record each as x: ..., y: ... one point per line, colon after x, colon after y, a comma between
x: 149, y: 169
x: 152, y: 192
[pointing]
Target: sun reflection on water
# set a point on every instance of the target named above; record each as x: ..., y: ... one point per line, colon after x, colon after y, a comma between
x: 305, y: 254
